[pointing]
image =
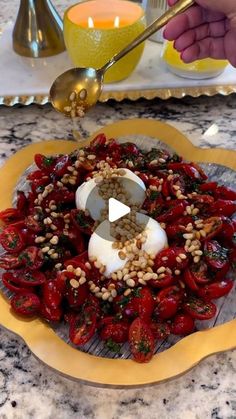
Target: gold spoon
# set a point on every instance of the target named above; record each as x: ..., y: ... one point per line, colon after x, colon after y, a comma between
x: 81, y: 87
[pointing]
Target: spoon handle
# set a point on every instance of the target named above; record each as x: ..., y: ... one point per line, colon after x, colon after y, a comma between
x: 179, y: 7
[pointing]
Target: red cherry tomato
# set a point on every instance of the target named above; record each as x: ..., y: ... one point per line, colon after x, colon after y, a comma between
x: 10, y: 215
x: 33, y: 224
x: 11, y: 239
x: 31, y: 278
x: 25, y: 303
x: 223, y: 207
x: 62, y: 163
x: 51, y: 314
x: 22, y: 202
x: 172, y: 291
x: 190, y: 280
x: 82, y: 222
x: 52, y: 295
x: 173, y: 213
x: 212, y: 227
x: 11, y: 281
x: 83, y: 327
x: 216, y: 255
x: 176, y: 230
x: 203, y: 199
x: 162, y: 282
x: 215, y: 290
x: 31, y: 258
x: 199, y: 309
x: 44, y: 163
x: 166, y: 308
x: 76, y: 296
x: 183, y: 324
x: 98, y: 142
x: 208, y: 187
x: 142, y: 303
x: 117, y: 331
x: 165, y: 258
x: 199, y: 272
x: 9, y: 261
x: 141, y: 341
x: 159, y: 329
x: 223, y: 192
x: 228, y: 230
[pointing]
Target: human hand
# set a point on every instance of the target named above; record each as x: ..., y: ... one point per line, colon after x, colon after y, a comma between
x: 207, y: 29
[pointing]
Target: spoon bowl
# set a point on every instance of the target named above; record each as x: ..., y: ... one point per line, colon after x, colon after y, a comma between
x: 86, y: 82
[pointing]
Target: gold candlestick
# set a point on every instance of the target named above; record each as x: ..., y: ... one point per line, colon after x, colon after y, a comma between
x: 38, y: 30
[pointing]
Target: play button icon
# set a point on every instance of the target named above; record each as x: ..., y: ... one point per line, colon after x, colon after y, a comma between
x: 116, y: 210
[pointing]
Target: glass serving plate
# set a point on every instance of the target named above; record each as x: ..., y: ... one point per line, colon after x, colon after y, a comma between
x: 173, y: 355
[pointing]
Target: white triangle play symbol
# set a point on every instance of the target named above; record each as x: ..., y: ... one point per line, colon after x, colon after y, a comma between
x: 116, y: 210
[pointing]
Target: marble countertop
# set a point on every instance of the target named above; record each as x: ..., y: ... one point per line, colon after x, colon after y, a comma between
x: 30, y: 390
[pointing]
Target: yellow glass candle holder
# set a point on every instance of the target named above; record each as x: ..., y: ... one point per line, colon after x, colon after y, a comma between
x: 95, y: 30
x: 200, y: 69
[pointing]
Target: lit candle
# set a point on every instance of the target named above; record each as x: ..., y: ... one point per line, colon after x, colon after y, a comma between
x: 96, y: 30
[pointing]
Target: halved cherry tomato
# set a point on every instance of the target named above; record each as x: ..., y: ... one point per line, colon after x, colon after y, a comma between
x: 141, y: 341
x: 52, y: 295
x: 173, y: 213
x: 83, y: 327
x: 11, y: 239
x: 25, y: 303
x: 140, y: 304
x: 216, y: 255
x: 165, y: 258
x: 183, y: 324
x: 98, y: 142
x: 190, y: 280
x: 221, y: 273
x: 199, y: 272
x: 51, y: 314
x: 172, y: 291
x: 223, y: 207
x: 159, y: 329
x: 45, y: 163
x: 11, y: 282
x: 176, y: 230
x: 32, y: 258
x: 212, y: 227
x: 200, y: 309
x: 10, y: 215
x: 215, y: 290
x: 228, y: 230
x: 76, y: 296
x: 9, y: 261
x: 208, y: 187
x: 83, y: 222
x: 61, y: 165
x: 117, y: 331
x: 223, y: 192
x: 203, y: 199
x: 33, y: 224
x: 31, y: 278
x: 22, y: 202
x: 162, y: 282
x: 166, y: 308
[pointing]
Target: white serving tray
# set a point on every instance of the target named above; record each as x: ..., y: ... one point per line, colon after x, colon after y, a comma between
x: 25, y: 80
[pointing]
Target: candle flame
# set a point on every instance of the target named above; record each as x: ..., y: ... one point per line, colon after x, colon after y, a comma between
x: 117, y: 22
x: 90, y: 22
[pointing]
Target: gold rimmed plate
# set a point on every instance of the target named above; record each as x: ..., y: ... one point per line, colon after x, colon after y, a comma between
x: 43, y: 341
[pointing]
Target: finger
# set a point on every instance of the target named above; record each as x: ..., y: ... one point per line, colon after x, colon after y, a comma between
x: 192, y: 18
x: 206, y: 48
x: 214, y: 30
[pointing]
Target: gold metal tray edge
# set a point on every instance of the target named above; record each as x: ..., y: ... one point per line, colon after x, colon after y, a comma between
x: 55, y: 353
x: 133, y: 95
